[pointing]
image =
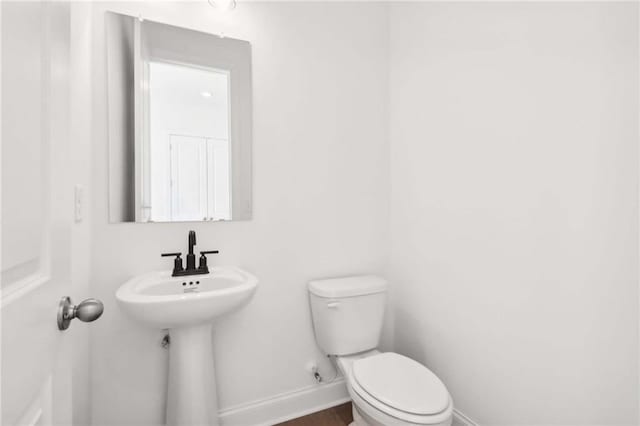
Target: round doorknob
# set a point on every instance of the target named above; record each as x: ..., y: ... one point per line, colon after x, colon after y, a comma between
x: 86, y: 311
x: 89, y: 310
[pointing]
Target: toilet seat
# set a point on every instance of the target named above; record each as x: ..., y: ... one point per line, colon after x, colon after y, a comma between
x: 399, y: 387
x: 401, y: 383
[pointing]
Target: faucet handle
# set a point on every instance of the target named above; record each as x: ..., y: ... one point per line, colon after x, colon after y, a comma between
x: 177, y: 263
x: 171, y: 254
x: 202, y: 265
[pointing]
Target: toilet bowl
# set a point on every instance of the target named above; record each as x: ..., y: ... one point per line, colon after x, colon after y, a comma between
x: 386, y: 388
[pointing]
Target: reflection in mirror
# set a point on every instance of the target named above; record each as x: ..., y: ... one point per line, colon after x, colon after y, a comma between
x: 179, y: 123
x: 189, y: 144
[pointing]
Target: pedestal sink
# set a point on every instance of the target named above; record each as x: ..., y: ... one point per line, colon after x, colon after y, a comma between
x: 187, y: 306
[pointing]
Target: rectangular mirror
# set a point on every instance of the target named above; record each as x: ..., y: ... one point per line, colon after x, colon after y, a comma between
x: 180, y: 123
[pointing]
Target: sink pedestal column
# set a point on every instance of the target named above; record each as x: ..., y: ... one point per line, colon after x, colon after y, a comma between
x: 191, y: 399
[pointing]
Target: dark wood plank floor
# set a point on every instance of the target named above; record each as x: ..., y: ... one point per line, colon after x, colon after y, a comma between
x: 334, y: 416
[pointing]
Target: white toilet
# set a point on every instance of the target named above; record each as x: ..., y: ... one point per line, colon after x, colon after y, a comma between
x: 387, y: 389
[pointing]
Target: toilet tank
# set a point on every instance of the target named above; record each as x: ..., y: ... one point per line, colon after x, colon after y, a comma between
x: 348, y: 313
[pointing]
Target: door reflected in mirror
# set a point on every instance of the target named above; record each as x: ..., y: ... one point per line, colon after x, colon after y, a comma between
x: 179, y: 123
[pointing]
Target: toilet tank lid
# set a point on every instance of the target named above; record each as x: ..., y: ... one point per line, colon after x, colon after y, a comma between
x: 348, y: 286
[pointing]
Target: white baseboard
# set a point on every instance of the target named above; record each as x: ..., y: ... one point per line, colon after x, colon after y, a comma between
x: 286, y: 406
x: 298, y: 403
x: 459, y: 419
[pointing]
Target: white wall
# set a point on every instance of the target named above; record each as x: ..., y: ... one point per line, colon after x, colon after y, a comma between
x: 514, y: 176
x: 514, y: 194
x: 320, y: 202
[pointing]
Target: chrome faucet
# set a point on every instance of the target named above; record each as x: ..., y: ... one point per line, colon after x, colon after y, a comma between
x: 191, y: 269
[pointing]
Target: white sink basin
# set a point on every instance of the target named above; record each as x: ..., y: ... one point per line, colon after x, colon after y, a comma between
x: 187, y: 306
x: 159, y: 300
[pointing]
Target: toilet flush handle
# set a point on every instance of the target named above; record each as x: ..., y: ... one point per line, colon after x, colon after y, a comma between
x: 333, y: 305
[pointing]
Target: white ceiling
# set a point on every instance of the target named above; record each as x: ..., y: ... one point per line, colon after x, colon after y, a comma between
x: 184, y: 85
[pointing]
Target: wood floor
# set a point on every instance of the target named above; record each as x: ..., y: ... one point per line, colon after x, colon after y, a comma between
x: 334, y: 416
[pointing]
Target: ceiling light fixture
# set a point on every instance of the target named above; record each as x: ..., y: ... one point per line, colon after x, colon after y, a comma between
x: 223, y: 5
x: 206, y: 94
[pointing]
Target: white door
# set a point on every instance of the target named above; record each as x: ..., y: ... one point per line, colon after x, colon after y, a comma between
x: 199, y: 181
x: 36, y: 213
x: 188, y: 157
x: 219, y: 193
